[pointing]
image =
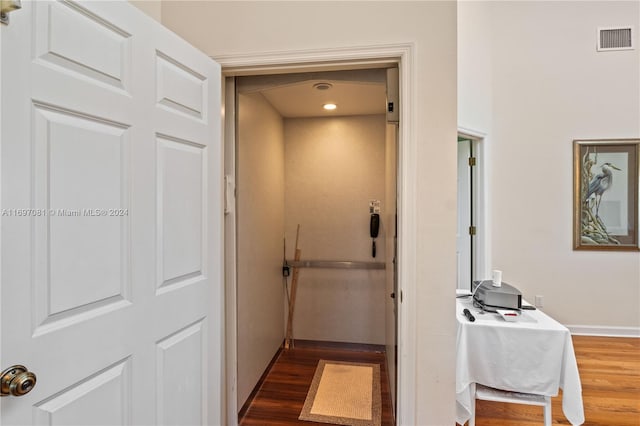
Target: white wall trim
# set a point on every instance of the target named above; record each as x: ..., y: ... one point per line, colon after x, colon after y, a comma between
x: 230, y: 366
x: 471, y: 133
x: 339, y: 58
x: 604, y: 331
x: 371, y: 56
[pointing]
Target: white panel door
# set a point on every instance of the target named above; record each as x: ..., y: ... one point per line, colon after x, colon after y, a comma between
x: 111, y: 219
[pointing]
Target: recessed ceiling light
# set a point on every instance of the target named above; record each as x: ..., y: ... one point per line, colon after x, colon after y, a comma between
x: 322, y: 86
x: 329, y: 107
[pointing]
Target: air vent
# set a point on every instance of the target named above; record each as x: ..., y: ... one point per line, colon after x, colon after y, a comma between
x: 615, y: 38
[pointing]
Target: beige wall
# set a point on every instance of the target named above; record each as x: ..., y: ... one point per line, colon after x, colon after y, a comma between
x: 475, y: 84
x: 152, y: 8
x: 260, y: 219
x: 334, y: 166
x: 535, y: 82
x: 233, y: 28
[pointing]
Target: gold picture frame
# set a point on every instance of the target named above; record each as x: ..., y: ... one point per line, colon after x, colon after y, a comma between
x: 605, y: 195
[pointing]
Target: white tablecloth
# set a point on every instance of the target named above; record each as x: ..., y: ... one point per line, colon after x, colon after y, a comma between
x: 533, y: 355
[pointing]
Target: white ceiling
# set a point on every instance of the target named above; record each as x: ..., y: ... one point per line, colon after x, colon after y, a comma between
x: 301, y: 99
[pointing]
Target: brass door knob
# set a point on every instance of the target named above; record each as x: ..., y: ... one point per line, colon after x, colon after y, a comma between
x: 16, y: 381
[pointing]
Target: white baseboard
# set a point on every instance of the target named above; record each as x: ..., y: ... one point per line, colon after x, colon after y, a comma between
x: 606, y: 331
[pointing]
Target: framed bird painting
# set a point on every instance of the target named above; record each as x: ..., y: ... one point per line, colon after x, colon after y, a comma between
x: 606, y: 199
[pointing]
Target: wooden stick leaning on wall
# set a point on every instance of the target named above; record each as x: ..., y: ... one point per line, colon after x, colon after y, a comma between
x: 288, y: 342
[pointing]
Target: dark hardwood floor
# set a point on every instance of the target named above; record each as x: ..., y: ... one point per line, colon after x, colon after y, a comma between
x: 609, y: 371
x: 279, y: 400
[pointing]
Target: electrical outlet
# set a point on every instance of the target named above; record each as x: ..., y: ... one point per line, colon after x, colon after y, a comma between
x: 539, y: 301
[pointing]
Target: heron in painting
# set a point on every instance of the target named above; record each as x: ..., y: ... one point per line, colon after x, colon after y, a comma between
x: 601, y: 183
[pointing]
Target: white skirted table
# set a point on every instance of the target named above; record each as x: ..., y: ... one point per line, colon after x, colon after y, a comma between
x: 532, y: 355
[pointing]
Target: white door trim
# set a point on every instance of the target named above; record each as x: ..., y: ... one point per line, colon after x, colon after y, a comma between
x: 480, y: 201
x: 313, y: 60
x: 362, y: 57
x: 471, y: 133
x: 230, y: 364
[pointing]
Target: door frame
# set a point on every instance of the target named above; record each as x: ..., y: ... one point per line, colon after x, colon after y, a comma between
x: 402, y: 55
x: 479, y: 205
x: 466, y: 213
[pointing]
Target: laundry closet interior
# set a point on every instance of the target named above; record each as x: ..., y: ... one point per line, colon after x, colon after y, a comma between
x: 319, y: 177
